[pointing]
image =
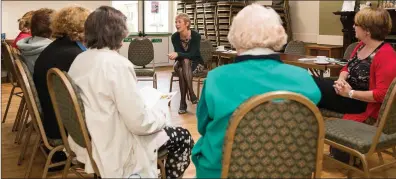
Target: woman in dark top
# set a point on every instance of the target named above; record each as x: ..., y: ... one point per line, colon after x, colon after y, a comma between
x: 68, y: 27
x: 186, y: 44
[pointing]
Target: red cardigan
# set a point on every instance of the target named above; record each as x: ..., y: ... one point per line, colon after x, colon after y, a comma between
x: 20, y: 36
x: 382, y: 72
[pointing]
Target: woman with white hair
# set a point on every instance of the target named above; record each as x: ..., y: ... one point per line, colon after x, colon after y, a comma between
x: 255, y: 33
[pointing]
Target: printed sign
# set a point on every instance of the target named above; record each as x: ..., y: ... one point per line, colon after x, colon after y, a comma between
x: 154, y: 7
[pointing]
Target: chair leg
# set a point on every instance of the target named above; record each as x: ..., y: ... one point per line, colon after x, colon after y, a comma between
x: 170, y: 87
x: 365, y: 167
x: 8, y: 104
x: 33, y: 156
x: 155, y: 81
x: 22, y: 128
x: 21, y: 118
x: 162, y: 168
x: 198, y: 87
x: 381, y: 161
x: 67, y: 166
x: 21, y: 109
x: 25, y: 144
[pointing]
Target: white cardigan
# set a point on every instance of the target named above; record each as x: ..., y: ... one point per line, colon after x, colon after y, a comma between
x: 125, y: 134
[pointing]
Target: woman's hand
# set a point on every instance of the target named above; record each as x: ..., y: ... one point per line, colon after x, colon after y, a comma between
x: 172, y: 56
x: 342, y: 88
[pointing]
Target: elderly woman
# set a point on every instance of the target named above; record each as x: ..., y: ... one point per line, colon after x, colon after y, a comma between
x: 364, y: 81
x: 126, y: 134
x: 186, y: 44
x: 31, y: 47
x: 257, y: 70
x: 24, y: 27
x: 68, y: 29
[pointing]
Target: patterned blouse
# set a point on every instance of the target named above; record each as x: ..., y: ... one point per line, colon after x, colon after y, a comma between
x: 359, y: 70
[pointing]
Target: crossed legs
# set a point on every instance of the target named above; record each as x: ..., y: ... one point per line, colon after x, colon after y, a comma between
x: 184, y: 71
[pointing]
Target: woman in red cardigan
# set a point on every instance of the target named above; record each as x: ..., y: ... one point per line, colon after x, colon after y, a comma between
x: 363, y: 82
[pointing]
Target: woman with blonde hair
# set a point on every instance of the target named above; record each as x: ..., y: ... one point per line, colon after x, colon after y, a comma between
x: 68, y: 28
x: 187, y: 56
x: 256, y: 33
x: 24, y: 27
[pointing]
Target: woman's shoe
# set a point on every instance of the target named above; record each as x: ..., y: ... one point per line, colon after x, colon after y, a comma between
x: 193, y: 99
x: 182, y: 109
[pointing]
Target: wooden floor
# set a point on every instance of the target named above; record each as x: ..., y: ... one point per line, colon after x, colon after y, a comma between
x: 10, y: 151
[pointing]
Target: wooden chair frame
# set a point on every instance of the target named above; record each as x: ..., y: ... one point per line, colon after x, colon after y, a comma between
x: 37, y: 125
x: 77, y: 108
x: 10, y: 63
x: 254, y: 102
x: 373, y: 148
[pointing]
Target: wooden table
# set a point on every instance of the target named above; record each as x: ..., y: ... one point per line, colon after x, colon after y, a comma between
x: 315, y: 69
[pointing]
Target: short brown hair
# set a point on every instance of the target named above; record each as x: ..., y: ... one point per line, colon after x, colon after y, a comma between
x: 41, y: 21
x: 377, y: 21
x: 69, y: 21
x: 105, y: 27
x: 24, y: 21
x: 185, y: 18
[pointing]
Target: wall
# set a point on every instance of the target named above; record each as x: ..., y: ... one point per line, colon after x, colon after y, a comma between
x: 13, y: 10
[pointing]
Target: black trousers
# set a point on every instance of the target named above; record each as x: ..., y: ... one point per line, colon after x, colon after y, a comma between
x: 332, y: 101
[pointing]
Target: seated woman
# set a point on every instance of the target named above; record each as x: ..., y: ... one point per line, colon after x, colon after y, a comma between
x: 186, y: 44
x: 24, y: 27
x: 68, y: 29
x: 363, y: 82
x: 31, y: 47
x: 257, y: 70
x: 126, y: 134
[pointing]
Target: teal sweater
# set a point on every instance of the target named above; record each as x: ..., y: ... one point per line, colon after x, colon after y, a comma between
x: 228, y: 86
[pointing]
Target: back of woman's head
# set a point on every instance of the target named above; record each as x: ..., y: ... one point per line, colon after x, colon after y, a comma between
x: 24, y: 21
x: 105, y: 27
x: 41, y: 21
x: 69, y: 21
x: 256, y: 26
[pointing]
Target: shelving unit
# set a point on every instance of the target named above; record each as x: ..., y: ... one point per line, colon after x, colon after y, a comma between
x: 210, y: 22
x: 283, y: 9
x: 225, y: 13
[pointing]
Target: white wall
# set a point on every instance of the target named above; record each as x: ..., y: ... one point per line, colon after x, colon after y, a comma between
x: 13, y: 10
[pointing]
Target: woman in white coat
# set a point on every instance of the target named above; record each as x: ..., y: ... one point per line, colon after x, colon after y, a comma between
x: 126, y: 135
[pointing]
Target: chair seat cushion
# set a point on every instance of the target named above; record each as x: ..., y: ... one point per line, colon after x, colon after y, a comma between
x: 144, y: 72
x: 328, y: 113
x: 356, y: 135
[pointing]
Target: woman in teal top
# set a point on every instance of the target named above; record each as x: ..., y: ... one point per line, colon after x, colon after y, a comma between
x: 257, y: 70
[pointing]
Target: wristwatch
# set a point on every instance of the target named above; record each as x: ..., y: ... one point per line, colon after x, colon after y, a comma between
x: 350, y: 93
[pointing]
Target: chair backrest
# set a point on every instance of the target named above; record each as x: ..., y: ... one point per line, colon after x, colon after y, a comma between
x: 206, y: 50
x: 349, y: 50
x: 274, y: 135
x: 69, y: 111
x: 31, y: 98
x: 9, y: 60
x: 141, y: 52
x: 387, y: 113
x: 295, y: 47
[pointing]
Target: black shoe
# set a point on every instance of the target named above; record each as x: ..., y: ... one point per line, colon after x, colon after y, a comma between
x: 182, y: 108
x: 193, y: 99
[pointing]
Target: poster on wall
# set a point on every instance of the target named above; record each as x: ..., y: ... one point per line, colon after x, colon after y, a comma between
x: 154, y: 7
